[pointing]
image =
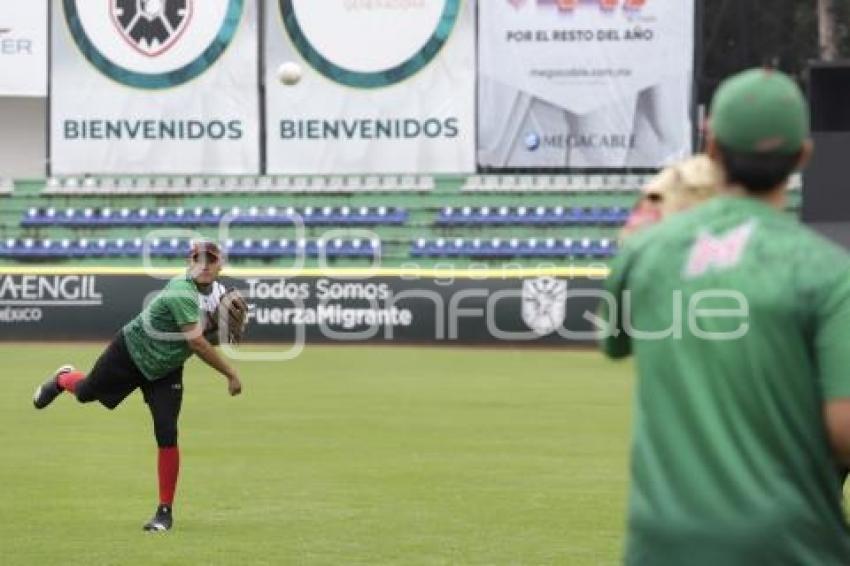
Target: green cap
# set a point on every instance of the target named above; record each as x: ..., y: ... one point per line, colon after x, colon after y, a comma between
x: 760, y: 111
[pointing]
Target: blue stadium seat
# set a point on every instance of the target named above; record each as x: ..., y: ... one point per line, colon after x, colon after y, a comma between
x: 34, y: 217
x: 179, y: 248
x: 511, y: 248
x: 494, y: 248
x: 180, y: 217
x: 268, y: 249
x: 528, y: 216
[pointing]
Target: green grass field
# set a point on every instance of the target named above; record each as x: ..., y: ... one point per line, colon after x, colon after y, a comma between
x: 343, y: 456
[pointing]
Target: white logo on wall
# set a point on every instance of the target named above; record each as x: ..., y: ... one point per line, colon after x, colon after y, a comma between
x: 544, y: 304
x: 22, y: 298
x: 151, y: 26
x: 153, y: 44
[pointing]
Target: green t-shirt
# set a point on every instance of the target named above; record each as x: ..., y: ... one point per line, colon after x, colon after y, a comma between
x: 730, y: 457
x: 154, y: 338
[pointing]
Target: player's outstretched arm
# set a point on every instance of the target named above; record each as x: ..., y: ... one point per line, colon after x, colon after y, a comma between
x: 204, y: 350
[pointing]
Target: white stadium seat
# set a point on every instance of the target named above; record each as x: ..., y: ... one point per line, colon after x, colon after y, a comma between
x: 390, y: 183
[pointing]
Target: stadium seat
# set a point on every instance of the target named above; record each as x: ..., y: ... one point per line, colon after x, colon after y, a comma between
x: 511, y: 248
x: 196, y: 185
x: 425, y: 183
x: 354, y: 184
x: 143, y: 186
x: 32, y: 249
x: 101, y: 217
x: 248, y: 184
x: 51, y: 186
x: 550, y: 184
x: 199, y: 216
x: 541, y: 183
x: 284, y: 248
x: 172, y: 186
x: 100, y: 186
x: 473, y: 183
x: 317, y: 184
x: 160, y: 185
x: 265, y: 184
x: 298, y: 184
x: 60, y: 186
x: 335, y: 185
x: 530, y: 216
x: 371, y: 183
x: 389, y: 183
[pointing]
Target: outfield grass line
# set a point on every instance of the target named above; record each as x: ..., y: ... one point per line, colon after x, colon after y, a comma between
x: 412, y: 273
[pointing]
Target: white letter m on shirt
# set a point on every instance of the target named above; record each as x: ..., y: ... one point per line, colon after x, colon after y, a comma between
x: 718, y: 252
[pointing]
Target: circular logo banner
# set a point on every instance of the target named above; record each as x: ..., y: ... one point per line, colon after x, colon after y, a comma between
x: 153, y: 44
x: 369, y: 43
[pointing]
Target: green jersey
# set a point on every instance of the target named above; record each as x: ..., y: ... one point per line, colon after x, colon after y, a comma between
x: 739, y: 319
x: 154, y: 338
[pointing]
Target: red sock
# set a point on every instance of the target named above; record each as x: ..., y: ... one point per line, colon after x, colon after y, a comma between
x: 69, y: 380
x: 169, y: 468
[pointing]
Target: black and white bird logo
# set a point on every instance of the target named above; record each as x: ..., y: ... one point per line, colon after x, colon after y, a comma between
x: 151, y: 27
x: 544, y: 304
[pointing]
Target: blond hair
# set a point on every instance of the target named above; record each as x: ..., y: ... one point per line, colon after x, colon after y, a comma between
x: 686, y: 184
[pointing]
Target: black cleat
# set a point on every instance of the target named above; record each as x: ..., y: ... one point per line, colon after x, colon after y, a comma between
x: 49, y: 390
x: 161, y: 522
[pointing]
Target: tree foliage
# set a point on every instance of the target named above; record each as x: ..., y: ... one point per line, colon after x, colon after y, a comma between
x: 739, y: 34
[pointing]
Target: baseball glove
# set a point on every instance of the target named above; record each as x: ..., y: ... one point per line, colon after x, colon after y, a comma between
x: 231, y: 316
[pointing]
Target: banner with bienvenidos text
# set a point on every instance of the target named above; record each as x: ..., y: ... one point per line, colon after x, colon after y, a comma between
x: 379, y: 86
x: 155, y: 87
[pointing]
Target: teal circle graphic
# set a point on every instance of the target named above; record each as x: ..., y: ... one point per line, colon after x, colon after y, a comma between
x: 357, y: 79
x: 154, y: 81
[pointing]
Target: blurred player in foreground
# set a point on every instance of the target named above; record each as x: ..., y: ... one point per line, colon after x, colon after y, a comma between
x: 676, y: 188
x: 149, y: 352
x: 740, y: 327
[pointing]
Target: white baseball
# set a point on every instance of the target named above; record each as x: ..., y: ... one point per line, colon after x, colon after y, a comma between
x: 289, y: 73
